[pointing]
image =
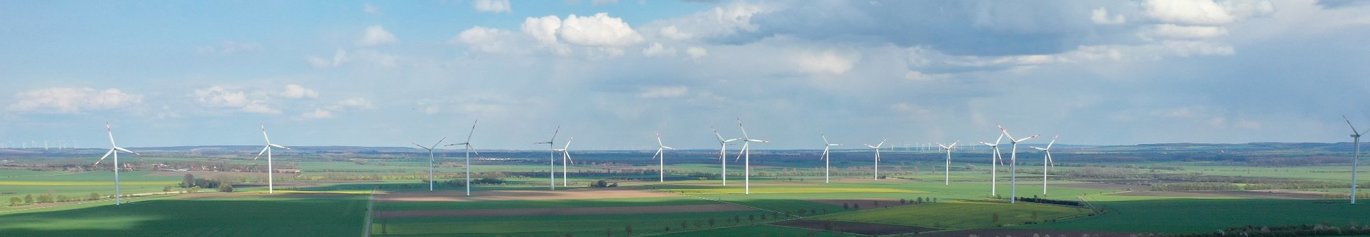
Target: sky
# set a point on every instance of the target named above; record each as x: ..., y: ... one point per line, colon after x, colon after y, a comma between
x: 613, y: 74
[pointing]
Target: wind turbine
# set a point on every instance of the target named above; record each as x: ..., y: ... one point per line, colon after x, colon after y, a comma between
x: 995, y: 159
x: 947, y: 168
x: 661, y: 154
x: 827, y: 159
x: 430, y: 159
x: 114, y: 150
x: 469, y: 149
x: 270, y: 180
x: 1013, y: 158
x: 723, y: 154
x: 1046, y: 161
x: 1355, y: 158
x: 747, y: 153
x: 565, y: 159
x: 877, y: 157
x: 551, y: 158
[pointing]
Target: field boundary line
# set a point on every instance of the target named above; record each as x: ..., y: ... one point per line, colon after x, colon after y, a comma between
x: 366, y: 223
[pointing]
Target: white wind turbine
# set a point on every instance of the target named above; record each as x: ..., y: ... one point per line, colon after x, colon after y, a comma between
x: 1013, y: 159
x: 660, y: 156
x: 469, y: 149
x: 270, y: 180
x: 1355, y: 157
x: 995, y: 159
x: 566, y: 159
x: 946, y: 173
x: 1047, y: 161
x: 723, y: 154
x: 747, y: 153
x: 876, y: 147
x: 551, y: 158
x: 114, y: 150
x: 827, y: 159
x: 430, y: 160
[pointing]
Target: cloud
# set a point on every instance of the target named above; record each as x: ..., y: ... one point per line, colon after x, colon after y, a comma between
x: 1101, y: 16
x: 294, y: 91
x: 316, y: 114
x: 656, y: 49
x: 603, y: 2
x: 696, y: 52
x: 229, y: 47
x: 371, y: 9
x: 483, y: 39
x: 673, y: 33
x: 339, y: 58
x: 353, y: 104
x: 599, y: 30
x: 492, y: 6
x: 1172, y: 31
x: 222, y: 98
x: 376, y: 35
x: 1205, y: 12
x: 664, y: 92
x: 1342, y: 3
x: 599, y: 33
x: 826, y: 62
x: 72, y: 100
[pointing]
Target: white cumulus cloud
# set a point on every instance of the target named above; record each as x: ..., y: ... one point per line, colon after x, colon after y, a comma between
x: 483, y: 39
x: 376, y: 35
x: 1101, y: 16
x: 223, y: 98
x: 827, y: 62
x: 72, y: 100
x: 294, y: 91
x: 493, y: 6
x: 1173, y: 31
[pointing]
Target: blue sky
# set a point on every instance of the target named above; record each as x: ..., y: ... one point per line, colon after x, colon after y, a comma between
x: 613, y: 73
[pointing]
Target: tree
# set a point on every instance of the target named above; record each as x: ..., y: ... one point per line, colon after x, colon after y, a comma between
x: 188, y: 181
x: 15, y: 201
x: 711, y: 221
x: 995, y: 217
x: 226, y: 187
x: 94, y: 196
x: 628, y: 230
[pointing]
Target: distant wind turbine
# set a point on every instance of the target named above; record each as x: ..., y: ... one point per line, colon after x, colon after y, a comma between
x: 114, y: 149
x: 1013, y: 159
x: 1047, y: 161
x: 1355, y: 157
x: 995, y: 159
x: 827, y: 159
x: 876, y: 147
x: 946, y: 173
x: 723, y: 154
x: 661, y: 157
x: 551, y: 158
x: 566, y: 159
x: 270, y: 180
x: 469, y: 149
x: 747, y: 153
x: 430, y: 160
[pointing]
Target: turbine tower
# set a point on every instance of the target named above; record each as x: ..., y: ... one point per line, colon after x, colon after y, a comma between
x: 747, y: 153
x: 270, y: 180
x: 565, y: 160
x: 661, y: 154
x: 723, y: 154
x: 1045, y: 161
x: 995, y: 159
x: 551, y: 158
x: 827, y: 159
x: 1355, y: 157
x: 1013, y: 159
x: 114, y: 150
x: 876, y: 147
x: 946, y: 173
x: 469, y: 149
x: 430, y: 160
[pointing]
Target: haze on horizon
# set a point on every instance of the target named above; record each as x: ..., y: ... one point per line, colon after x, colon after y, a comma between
x: 612, y: 73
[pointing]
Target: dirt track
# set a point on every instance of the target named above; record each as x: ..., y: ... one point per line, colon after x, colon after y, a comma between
x: 853, y: 227
x: 516, y: 195
x: 1006, y: 232
x: 562, y: 211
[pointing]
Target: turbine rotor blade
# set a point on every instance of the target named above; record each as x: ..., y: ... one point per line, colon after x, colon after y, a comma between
x: 1348, y: 123
x: 259, y: 154
x: 279, y: 146
x: 472, y: 132
x: 435, y: 145
x: 568, y: 143
x: 667, y: 147
x: 102, y: 158
x: 421, y: 146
